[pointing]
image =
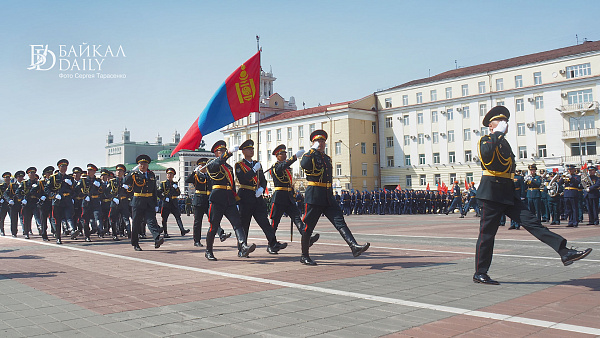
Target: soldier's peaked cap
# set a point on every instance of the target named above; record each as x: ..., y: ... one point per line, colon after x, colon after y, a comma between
x: 20, y: 173
x: 76, y: 170
x: 104, y: 172
x: 6, y: 174
x: 218, y: 145
x: 121, y: 167
x: 143, y: 158
x: 30, y: 169
x: 247, y: 144
x: 318, y: 134
x: 495, y: 113
x: 171, y: 171
x: 92, y: 166
x: 569, y: 166
x: 278, y: 149
x: 532, y: 166
x: 50, y: 169
x: 201, y: 160
x: 63, y: 161
x: 592, y: 167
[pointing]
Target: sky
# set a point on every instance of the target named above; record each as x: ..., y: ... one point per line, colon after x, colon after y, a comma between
x: 175, y: 54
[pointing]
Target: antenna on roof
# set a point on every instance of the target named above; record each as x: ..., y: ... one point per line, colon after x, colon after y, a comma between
x: 456, y: 63
x: 303, y: 105
x: 577, y: 38
x: 429, y: 72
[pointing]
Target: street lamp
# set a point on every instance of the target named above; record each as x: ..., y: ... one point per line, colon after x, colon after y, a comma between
x: 350, y: 157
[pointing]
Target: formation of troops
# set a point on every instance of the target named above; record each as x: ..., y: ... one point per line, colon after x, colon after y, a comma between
x: 122, y: 204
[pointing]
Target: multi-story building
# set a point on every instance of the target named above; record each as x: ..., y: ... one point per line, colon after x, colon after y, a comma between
x: 430, y: 127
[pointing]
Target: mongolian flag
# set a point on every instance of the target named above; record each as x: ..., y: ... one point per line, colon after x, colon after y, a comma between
x: 236, y: 98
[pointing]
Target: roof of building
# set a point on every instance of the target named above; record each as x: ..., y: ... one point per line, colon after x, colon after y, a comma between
x: 303, y: 112
x: 586, y: 47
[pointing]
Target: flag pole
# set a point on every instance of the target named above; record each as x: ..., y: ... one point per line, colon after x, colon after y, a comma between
x: 258, y: 112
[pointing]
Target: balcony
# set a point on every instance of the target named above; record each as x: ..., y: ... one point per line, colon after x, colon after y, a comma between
x: 577, y: 159
x: 573, y: 134
x: 578, y: 107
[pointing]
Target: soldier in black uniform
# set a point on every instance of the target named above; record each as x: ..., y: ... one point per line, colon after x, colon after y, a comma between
x: 283, y: 193
x: 223, y: 200
x: 252, y: 186
x: 497, y: 197
x: 92, y: 190
x: 60, y: 189
x: 592, y: 195
x: 119, y: 213
x: 14, y: 202
x: 168, y: 192
x: 44, y: 202
x: 29, y: 193
x: 319, y: 197
x: 143, y: 204
x: 77, y: 204
x: 4, y: 203
x: 106, y: 200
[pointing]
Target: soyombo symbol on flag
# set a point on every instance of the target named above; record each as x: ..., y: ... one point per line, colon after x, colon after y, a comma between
x: 236, y: 98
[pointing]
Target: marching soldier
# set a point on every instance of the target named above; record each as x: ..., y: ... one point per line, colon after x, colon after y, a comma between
x: 554, y: 203
x: 143, y: 203
x: 44, y: 202
x: 106, y: 199
x: 534, y: 195
x: 319, y: 197
x: 77, y: 204
x: 59, y: 190
x: 4, y: 206
x: 119, y: 213
x: 497, y: 197
x: 572, y: 184
x: 282, y: 200
x: 14, y: 202
x: 521, y: 190
x: 252, y: 186
x: 457, y: 199
x: 592, y: 195
x: 223, y: 200
x: 168, y: 192
x: 92, y: 191
x: 29, y: 193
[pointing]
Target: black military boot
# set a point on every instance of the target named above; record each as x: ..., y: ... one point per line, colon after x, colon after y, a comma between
x: 210, y: 240
x: 305, y: 244
x: 314, y: 237
x: 356, y: 249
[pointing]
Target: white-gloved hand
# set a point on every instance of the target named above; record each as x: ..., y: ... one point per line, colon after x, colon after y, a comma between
x: 587, y: 189
x: 136, y: 167
x: 116, y: 200
x: 97, y: 184
x: 34, y: 186
x: 87, y: 198
x: 2, y: 200
x: 315, y: 145
x: 174, y: 186
x: 58, y: 197
x: 125, y: 186
x: 257, y: 167
x: 11, y: 202
x: 167, y: 199
x: 43, y: 198
x: 234, y: 149
x: 300, y: 152
x: 156, y: 209
x: 501, y: 127
x: 237, y: 206
x: 259, y: 191
x: 25, y: 201
x: 568, y: 175
x: 68, y: 181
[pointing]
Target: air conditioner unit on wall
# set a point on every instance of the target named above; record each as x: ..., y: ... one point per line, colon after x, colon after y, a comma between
x: 442, y: 134
x: 427, y: 136
x: 442, y: 112
x: 531, y: 99
x: 412, y: 137
x: 530, y: 125
x: 563, y: 95
x: 561, y: 72
x: 459, y: 109
x: 475, y: 131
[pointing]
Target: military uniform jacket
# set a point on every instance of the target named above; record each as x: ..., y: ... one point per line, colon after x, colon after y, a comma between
x: 166, y: 190
x: 11, y: 192
x: 520, y: 185
x: 144, y: 188
x: 534, y: 187
x: 594, y: 193
x: 572, y: 186
x: 282, y: 177
x: 29, y: 190
x: 3, y: 187
x: 249, y: 180
x: 318, y: 169
x: 58, y: 186
x: 456, y: 191
x: 222, y: 181
x: 87, y: 188
x: 497, y: 158
x: 201, y: 183
x: 114, y: 189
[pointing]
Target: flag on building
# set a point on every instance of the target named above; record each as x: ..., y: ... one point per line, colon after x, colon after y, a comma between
x: 236, y: 98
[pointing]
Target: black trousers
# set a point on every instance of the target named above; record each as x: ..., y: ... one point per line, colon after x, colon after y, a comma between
x: 14, y: 212
x: 45, y: 210
x: 199, y: 211
x: 313, y: 212
x: 216, y: 211
x: 27, y: 211
x: 3, y: 212
x: 277, y: 210
x: 592, y: 206
x: 168, y: 209
x: 491, y: 212
x: 145, y: 214
x: 92, y: 214
x: 257, y: 208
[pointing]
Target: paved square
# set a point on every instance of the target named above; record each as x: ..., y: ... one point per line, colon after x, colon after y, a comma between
x: 415, y: 281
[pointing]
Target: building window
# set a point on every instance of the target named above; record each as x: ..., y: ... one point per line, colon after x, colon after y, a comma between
x: 364, y: 169
x: 435, y: 137
x: 405, y: 120
x: 518, y: 81
x: 388, y: 102
x: 268, y: 136
x: 434, y: 116
x: 390, y: 161
x: 406, y: 140
x: 450, y: 136
x: 482, y: 109
x: 419, y: 97
x: 451, y: 157
x: 485, y: 131
x: 540, y: 127
x: 406, y: 160
x: 522, y: 152
x: 388, y: 122
x: 520, y: 105
x: 405, y: 100
x: 438, y: 179
x: 469, y: 178
x: 436, y: 158
x: 579, y: 70
x: 587, y: 148
x: 421, y: 158
x: 467, y: 134
x: 468, y: 156
x: 278, y: 134
x: 465, y: 90
x: 374, y: 148
x: 537, y: 78
x: 433, y: 94
x: 542, y: 151
x: 338, y: 169
x: 421, y: 138
x: 448, y: 92
x: 520, y: 129
x: 389, y: 141
x: 481, y: 86
x: 580, y: 96
x: 500, y: 102
x: 338, y: 148
x: 311, y: 128
x: 289, y: 133
x: 539, y: 102
x: 466, y: 112
x: 499, y: 84
x: 363, y: 148
x: 423, y: 179
x: 452, y: 177
x: 419, y: 118
x: 300, y: 131
x: 584, y: 122
x: 374, y: 127
x: 408, y: 181
x: 450, y: 114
